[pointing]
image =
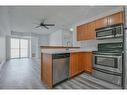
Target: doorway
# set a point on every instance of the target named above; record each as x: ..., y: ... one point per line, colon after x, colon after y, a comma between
x: 19, y: 48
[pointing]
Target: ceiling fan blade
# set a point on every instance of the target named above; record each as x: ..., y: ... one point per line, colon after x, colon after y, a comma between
x: 49, y: 24
x: 37, y: 26
x: 46, y: 27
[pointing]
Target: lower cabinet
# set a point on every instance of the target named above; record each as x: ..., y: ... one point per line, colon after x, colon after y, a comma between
x: 73, y: 68
x: 88, y: 62
x: 46, y: 69
x: 79, y: 62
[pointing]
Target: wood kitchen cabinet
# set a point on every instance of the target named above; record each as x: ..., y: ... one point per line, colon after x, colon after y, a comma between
x: 79, y: 62
x: 91, y: 34
x: 87, y: 31
x: 103, y: 22
x: 88, y: 62
x: 116, y: 18
x: 46, y: 69
x: 79, y: 33
x: 82, y: 32
x: 73, y: 68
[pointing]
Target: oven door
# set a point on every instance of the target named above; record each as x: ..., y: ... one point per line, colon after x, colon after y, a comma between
x: 108, y: 62
x: 111, y: 77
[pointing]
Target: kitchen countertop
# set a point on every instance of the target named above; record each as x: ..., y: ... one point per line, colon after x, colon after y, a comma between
x: 65, y: 51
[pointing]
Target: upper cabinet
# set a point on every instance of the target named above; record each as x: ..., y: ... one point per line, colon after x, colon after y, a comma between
x: 103, y: 22
x: 87, y: 31
x: 82, y: 32
x: 91, y: 34
x: 79, y: 33
x: 116, y: 18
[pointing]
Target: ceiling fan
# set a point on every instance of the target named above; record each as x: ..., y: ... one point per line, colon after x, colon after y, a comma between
x: 42, y: 24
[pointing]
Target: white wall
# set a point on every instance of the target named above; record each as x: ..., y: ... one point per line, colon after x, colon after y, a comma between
x: 61, y: 37
x: 43, y: 40
x: 56, y: 38
x: 4, y: 30
x: 38, y: 41
x: 7, y: 47
x: 2, y: 49
x: 67, y: 36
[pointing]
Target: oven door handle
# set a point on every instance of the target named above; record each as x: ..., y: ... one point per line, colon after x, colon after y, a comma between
x: 110, y: 56
x: 107, y: 72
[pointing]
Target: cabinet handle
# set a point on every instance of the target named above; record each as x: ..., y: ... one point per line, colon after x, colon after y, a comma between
x: 109, y: 21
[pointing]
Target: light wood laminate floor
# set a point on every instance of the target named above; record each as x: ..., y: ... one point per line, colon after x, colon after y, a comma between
x: 25, y: 74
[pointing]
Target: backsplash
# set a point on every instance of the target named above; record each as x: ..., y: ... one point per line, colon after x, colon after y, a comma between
x: 89, y: 44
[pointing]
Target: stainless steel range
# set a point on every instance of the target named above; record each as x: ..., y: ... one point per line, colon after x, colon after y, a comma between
x: 108, y: 62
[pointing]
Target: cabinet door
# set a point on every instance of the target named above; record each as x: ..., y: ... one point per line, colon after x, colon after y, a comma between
x: 81, y: 61
x: 82, y: 32
x: 116, y: 18
x: 91, y: 34
x: 73, y: 68
x: 46, y: 69
x: 85, y: 32
x: 103, y: 22
x: 88, y: 62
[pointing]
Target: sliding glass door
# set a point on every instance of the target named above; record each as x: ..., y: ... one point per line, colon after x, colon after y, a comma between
x: 19, y: 48
x: 23, y: 48
x: 15, y: 48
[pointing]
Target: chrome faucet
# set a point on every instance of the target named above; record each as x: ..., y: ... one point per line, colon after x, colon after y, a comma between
x: 69, y: 43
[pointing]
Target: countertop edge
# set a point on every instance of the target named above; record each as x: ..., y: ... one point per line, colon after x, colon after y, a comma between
x: 65, y: 52
x: 52, y: 47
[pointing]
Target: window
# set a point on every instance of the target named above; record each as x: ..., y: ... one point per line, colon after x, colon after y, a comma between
x: 19, y: 48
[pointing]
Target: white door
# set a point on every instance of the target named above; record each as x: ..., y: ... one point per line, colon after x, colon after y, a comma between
x: 19, y: 48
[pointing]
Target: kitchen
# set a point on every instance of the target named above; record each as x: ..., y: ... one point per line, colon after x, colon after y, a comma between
x: 104, y: 63
x: 81, y: 50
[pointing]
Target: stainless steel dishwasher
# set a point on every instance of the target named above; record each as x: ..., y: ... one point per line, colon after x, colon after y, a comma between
x: 60, y: 67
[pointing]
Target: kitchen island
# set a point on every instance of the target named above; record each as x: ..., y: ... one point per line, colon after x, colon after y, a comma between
x: 73, y: 62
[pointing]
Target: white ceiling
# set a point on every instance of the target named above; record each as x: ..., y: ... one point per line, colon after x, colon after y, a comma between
x: 24, y: 19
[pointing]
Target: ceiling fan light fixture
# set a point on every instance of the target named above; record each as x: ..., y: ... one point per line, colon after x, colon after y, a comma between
x: 71, y: 29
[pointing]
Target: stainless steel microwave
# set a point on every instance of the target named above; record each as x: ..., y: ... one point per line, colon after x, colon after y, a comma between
x: 110, y: 32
